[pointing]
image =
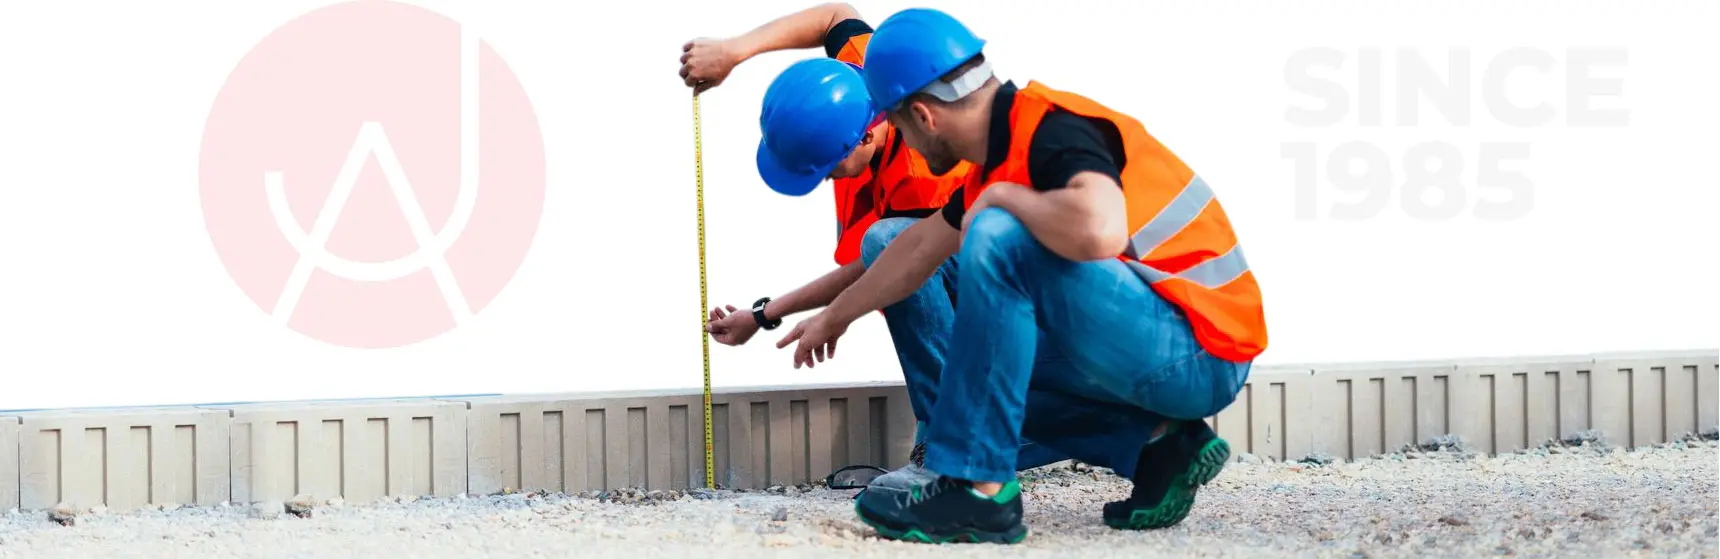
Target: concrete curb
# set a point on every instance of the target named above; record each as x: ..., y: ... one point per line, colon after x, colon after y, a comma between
x: 358, y: 450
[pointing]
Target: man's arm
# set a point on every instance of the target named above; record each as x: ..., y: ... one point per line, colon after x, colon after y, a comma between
x: 804, y: 29
x: 1084, y: 220
x: 904, y: 265
x: 705, y: 62
x: 1076, y: 207
x: 818, y: 293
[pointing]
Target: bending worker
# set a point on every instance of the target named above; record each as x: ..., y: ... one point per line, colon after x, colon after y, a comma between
x: 818, y: 122
x: 1105, y: 305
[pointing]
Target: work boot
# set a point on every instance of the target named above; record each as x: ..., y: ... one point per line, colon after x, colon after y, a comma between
x: 1168, y: 474
x: 945, y: 510
x: 912, y: 475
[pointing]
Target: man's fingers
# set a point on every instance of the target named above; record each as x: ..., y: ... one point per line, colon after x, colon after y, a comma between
x: 731, y: 308
x: 687, y: 47
x: 832, y: 352
x: 790, y: 338
x: 685, y: 56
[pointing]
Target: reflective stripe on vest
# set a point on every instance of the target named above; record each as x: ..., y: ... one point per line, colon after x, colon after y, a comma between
x: 1182, y: 244
x: 1188, y: 204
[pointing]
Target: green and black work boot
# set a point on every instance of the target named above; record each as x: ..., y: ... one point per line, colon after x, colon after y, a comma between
x: 911, y: 475
x: 945, y: 510
x: 1167, y: 476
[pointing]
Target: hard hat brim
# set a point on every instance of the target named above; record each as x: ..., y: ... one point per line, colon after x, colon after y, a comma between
x: 788, y: 182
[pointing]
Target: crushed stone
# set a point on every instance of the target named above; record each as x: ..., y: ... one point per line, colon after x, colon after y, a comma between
x: 1576, y: 498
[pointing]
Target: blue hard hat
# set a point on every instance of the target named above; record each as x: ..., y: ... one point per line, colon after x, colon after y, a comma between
x: 815, y: 114
x: 913, y: 48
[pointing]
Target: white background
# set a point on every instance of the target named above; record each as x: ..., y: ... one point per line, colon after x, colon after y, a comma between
x: 111, y: 294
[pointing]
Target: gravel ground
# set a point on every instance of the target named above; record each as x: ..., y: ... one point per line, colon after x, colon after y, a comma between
x: 1584, y: 501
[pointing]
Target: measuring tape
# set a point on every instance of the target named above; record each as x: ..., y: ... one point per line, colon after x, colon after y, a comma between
x: 704, y: 306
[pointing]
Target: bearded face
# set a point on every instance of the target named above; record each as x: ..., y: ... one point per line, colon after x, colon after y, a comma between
x: 920, y: 133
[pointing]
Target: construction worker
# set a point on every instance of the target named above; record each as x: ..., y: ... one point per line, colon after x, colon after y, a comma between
x: 818, y: 122
x: 1105, y: 305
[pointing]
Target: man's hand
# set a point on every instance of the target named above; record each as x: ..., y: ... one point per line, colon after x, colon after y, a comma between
x: 990, y: 197
x: 705, y: 63
x: 733, y: 327
x: 817, y: 336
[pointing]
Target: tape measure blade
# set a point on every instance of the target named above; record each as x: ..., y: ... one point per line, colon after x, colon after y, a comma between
x: 704, y: 300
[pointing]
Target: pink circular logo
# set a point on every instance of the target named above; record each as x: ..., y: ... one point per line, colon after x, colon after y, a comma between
x: 372, y: 174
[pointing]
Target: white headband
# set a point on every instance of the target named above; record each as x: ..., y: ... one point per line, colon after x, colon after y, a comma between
x: 960, y: 87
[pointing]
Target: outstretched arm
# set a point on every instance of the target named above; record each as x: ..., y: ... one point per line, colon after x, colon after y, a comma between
x: 804, y: 29
x: 705, y: 63
x: 900, y: 270
x: 903, y: 266
x: 818, y: 293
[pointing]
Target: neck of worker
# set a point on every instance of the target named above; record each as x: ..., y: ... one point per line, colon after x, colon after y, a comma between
x: 972, y: 124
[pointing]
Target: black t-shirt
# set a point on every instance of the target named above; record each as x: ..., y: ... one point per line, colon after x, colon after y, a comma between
x: 845, y: 41
x: 1064, y: 145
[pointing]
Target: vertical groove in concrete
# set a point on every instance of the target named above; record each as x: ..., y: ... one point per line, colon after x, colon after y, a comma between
x: 1659, y: 396
x: 1260, y: 421
x: 358, y: 452
x: 120, y: 459
x: 8, y: 463
x: 1707, y: 396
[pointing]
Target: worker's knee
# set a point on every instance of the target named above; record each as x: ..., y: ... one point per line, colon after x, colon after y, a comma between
x: 994, y: 231
x: 880, y: 235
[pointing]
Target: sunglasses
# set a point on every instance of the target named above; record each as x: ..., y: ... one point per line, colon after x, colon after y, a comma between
x: 853, y: 477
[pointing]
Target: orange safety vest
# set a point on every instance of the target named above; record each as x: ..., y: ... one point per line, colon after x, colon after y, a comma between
x: 898, y: 182
x: 1182, y: 242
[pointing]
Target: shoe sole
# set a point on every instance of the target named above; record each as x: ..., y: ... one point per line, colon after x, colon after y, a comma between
x: 1012, y: 536
x: 1180, y: 498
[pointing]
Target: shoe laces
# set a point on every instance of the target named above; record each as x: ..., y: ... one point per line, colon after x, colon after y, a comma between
x: 925, y: 492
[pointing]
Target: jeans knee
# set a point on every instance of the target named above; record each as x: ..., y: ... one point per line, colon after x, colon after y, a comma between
x: 995, y: 230
x: 1230, y: 379
x: 880, y: 235
x: 1195, y: 387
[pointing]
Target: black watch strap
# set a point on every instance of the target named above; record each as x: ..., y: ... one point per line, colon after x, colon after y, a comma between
x: 758, y: 315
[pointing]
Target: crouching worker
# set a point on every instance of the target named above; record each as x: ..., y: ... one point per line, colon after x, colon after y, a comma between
x: 1105, y: 305
x: 817, y: 123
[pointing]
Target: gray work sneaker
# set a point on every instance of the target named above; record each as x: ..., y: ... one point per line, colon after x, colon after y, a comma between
x: 912, y: 475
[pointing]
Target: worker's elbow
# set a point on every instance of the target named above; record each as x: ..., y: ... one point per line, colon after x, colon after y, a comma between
x: 842, y: 11
x: 1102, y: 241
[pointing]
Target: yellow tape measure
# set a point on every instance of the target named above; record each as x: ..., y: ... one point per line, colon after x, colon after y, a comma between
x: 704, y: 305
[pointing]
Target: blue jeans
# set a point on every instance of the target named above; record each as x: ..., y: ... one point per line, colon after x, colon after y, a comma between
x: 920, y: 327
x: 1081, y: 357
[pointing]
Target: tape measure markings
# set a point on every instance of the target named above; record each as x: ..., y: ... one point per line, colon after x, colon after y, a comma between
x: 704, y: 304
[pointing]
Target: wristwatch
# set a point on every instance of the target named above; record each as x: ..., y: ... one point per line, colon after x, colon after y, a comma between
x: 758, y: 315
